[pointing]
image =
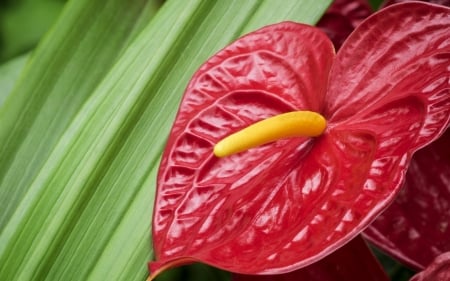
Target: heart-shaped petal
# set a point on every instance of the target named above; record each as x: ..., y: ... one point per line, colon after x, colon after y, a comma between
x: 385, y: 61
x: 210, y: 209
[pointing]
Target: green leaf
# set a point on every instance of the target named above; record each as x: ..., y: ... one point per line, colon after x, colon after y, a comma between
x: 62, y: 73
x: 23, y: 22
x: 9, y: 73
x: 83, y: 135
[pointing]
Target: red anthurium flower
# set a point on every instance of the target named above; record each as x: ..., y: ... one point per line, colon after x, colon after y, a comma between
x: 284, y: 205
x: 352, y: 262
x: 439, y: 270
x: 416, y: 227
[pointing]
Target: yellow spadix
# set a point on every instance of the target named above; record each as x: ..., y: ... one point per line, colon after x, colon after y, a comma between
x: 286, y: 125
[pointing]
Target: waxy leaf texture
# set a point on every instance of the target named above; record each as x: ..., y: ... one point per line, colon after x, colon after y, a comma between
x: 415, y: 228
x: 284, y: 205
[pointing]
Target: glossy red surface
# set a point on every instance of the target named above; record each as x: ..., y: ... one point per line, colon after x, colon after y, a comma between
x: 285, y: 205
x: 415, y: 228
x: 439, y: 270
x: 353, y: 262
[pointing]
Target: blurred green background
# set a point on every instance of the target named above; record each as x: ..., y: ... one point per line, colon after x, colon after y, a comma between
x: 23, y: 23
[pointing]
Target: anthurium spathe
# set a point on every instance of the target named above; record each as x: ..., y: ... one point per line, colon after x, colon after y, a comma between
x: 284, y: 205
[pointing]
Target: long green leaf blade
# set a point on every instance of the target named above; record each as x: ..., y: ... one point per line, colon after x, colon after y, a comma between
x: 9, y: 74
x: 63, y: 72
